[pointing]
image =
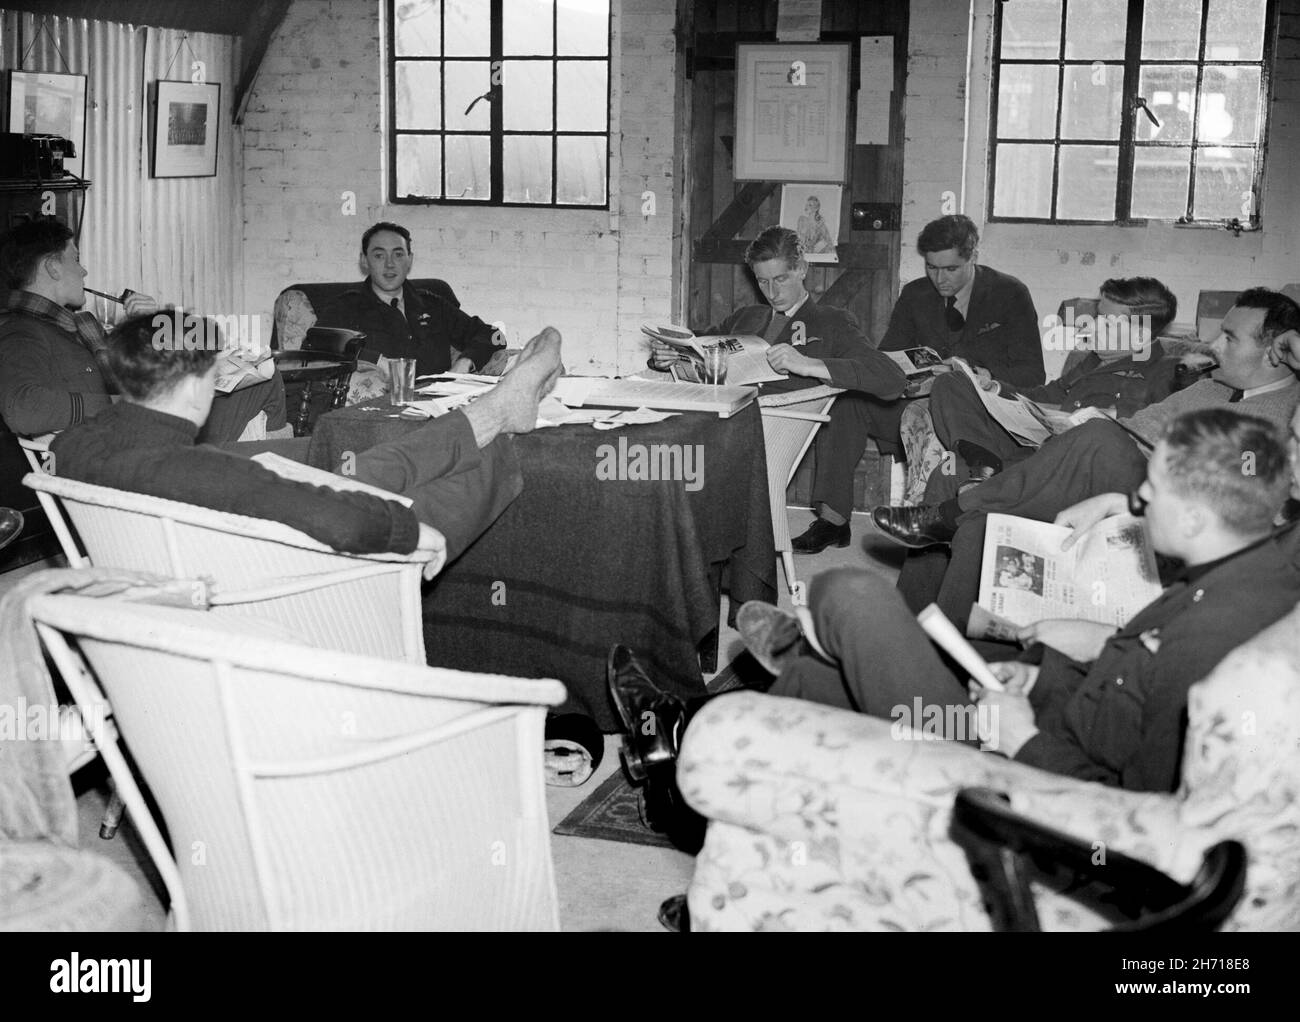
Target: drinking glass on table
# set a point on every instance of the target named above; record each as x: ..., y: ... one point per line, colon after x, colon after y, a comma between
x: 401, y: 372
x: 715, y: 364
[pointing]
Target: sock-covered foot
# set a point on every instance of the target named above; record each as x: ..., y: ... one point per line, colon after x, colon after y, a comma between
x: 529, y: 380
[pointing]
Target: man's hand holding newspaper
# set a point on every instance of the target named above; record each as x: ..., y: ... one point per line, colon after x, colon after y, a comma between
x: 1079, y: 640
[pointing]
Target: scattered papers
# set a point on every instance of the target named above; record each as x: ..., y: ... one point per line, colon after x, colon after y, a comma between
x: 234, y: 372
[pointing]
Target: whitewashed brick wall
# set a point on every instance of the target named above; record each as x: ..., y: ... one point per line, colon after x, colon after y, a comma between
x: 313, y: 131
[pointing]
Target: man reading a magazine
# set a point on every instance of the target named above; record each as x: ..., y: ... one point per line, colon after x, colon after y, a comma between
x: 1115, y: 715
x: 459, y: 469
x: 814, y: 344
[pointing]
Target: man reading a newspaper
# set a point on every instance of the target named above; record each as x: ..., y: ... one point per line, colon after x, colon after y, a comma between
x: 814, y: 344
x: 1115, y: 363
x: 1111, y: 709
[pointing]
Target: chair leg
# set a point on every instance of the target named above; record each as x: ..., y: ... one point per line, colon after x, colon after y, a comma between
x: 113, y: 814
x: 787, y: 561
x: 304, y: 411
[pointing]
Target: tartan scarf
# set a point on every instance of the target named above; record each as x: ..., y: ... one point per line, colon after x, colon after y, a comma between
x: 83, y: 325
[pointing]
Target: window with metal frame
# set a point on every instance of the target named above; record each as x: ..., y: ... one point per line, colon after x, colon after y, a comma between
x: 499, y: 102
x: 1123, y: 111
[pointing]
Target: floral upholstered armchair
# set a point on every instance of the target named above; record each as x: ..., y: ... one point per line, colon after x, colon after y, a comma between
x: 821, y: 819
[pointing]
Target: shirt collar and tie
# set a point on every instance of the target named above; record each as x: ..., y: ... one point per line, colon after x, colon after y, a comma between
x: 956, y: 307
x: 397, y: 303
x: 780, y: 320
x: 1282, y: 384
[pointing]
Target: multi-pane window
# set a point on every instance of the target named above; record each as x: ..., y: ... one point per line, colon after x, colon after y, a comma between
x: 1123, y: 110
x: 499, y: 102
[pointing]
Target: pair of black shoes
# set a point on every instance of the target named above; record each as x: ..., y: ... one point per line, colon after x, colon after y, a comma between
x: 653, y: 722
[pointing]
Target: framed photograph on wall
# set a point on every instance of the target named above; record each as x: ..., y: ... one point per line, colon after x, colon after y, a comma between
x: 813, y: 212
x: 185, y: 121
x: 47, y: 103
x: 792, y: 111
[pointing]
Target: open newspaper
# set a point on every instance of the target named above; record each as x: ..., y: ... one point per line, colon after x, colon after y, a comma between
x: 235, y: 371
x: 1028, y: 422
x: 915, y: 361
x: 747, y: 363
x: 1107, y: 576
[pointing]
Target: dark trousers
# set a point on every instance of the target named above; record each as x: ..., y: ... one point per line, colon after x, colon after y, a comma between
x: 958, y: 414
x: 456, y: 488
x: 883, y: 659
x: 840, y: 444
x: 1097, y: 457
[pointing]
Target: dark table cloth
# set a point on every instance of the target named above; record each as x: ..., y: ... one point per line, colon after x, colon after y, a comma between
x: 579, y: 563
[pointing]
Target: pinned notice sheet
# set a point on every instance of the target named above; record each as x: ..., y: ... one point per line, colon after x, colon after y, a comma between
x: 798, y: 21
x: 875, y: 89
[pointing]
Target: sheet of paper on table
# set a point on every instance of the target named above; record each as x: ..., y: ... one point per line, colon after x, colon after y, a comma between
x: 300, y: 473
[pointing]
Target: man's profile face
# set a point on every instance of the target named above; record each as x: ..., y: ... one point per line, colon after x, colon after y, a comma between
x: 387, y: 260
x: 781, y: 285
x: 1164, y: 507
x: 72, y: 276
x: 948, y: 271
x: 1243, y: 359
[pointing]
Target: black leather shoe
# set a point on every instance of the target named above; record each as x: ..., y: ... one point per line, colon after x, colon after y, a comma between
x: 11, y: 524
x: 674, y: 915
x: 652, y: 718
x: 654, y: 721
x: 820, y: 535
x: 914, y: 527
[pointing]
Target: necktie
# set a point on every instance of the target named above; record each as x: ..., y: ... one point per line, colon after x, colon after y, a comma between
x: 1236, y: 396
x: 956, y: 321
x: 775, y: 327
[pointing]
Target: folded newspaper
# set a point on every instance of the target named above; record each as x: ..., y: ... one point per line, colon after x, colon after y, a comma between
x: 1107, y: 576
x: 747, y: 362
x: 1028, y: 422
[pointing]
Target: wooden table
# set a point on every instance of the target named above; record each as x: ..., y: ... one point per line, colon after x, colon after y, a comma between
x: 579, y: 562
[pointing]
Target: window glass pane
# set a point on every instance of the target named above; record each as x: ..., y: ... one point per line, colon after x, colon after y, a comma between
x: 580, y: 171
x: 419, y: 104
x: 1170, y: 91
x: 1229, y: 105
x: 1031, y: 29
x: 527, y: 27
x: 1171, y: 29
x: 468, y: 167
x: 417, y: 29
x: 465, y: 82
x: 1027, y: 101
x: 467, y: 28
x: 527, y: 168
x: 582, y: 100
x: 1095, y: 29
x: 1090, y: 101
x: 526, y: 92
x: 419, y: 166
x: 1024, y: 181
x: 1160, y: 182
x: 582, y: 28
x: 1223, y: 183
x: 1235, y: 30
x: 1085, y: 188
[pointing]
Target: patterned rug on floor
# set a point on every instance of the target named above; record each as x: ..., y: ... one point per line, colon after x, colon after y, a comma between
x: 615, y: 810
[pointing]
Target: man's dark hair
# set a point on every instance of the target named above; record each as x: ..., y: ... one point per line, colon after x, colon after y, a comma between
x: 775, y: 243
x: 384, y: 225
x: 955, y: 231
x: 148, y: 354
x: 1234, y: 464
x: 1143, y: 296
x: 1280, y: 312
x: 25, y: 245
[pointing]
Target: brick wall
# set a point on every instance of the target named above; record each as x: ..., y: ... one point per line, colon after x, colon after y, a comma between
x: 313, y: 131
x: 1057, y: 262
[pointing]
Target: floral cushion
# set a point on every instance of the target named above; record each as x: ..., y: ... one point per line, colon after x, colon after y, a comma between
x: 824, y: 819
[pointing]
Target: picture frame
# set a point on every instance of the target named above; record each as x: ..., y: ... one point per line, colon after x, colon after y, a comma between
x: 792, y: 111
x: 50, y: 103
x: 812, y: 211
x: 186, y: 122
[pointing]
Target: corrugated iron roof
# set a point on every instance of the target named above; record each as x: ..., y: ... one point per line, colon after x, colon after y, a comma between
x: 229, y: 17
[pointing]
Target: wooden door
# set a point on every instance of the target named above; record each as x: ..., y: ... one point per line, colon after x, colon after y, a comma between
x: 722, y: 216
